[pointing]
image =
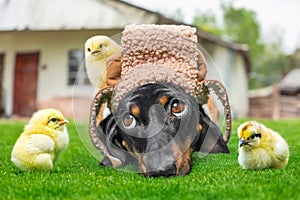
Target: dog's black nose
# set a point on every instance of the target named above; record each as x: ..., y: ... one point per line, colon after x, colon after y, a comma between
x: 170, y: 171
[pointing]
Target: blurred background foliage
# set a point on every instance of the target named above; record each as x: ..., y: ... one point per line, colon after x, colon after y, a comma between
x: 269, y: 62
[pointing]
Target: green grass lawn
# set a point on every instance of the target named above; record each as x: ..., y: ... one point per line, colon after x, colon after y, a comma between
x: 78, y: 176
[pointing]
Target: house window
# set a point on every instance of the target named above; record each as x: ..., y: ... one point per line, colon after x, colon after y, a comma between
x: 77, y: 72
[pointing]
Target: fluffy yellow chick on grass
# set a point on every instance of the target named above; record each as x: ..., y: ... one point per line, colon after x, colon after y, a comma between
x: 43, y: 139
x: 261, y: 147
x: 102, y: 61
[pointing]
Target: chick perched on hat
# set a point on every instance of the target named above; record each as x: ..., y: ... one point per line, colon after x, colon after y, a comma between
x: 102, y: 61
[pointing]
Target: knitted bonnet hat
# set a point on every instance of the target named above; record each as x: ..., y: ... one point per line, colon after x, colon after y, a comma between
x: 160, y: 53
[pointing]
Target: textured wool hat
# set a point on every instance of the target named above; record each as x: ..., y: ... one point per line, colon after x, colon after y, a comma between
x: 160, y: 53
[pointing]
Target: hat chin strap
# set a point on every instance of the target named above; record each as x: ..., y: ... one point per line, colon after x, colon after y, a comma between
x: 218, y: 88
x: 102, y: 98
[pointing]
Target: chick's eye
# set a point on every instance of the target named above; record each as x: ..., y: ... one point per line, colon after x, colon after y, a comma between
x: 252, y: 136
x: 101, y: 46
x: 54, y: 120
x: 88, y: 49
x: 129, y: 122
x: 178, y: 108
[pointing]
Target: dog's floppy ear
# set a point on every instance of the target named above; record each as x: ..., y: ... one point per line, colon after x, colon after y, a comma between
x: 210, y: 138
x: 109, y: 133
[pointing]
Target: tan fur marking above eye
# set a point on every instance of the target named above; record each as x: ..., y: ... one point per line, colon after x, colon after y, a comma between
x: 135, y: 110
x: 163, y: 100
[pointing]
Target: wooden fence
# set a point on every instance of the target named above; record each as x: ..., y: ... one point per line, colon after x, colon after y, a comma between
x: 274, y: 105
x: 289, y: 106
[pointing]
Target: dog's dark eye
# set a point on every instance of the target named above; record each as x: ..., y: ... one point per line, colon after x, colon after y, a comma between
x: 178, y: 108
x: 129, y: 122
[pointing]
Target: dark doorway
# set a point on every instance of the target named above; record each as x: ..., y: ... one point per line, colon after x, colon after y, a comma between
x: 25, y: 83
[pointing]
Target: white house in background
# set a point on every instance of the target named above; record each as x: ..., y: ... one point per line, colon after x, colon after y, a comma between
x: 41, y: 50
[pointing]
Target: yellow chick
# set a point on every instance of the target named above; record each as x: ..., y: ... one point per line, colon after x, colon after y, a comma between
x: 261, y: 147
x: 102, y: 61
x: 43, y: 139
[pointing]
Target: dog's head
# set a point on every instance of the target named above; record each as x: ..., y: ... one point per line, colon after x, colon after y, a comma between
x: 158, y: 126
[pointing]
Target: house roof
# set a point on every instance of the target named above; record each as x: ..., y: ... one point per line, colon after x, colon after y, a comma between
x: 37, y: 15
x: 290, y: 84
x: 241, y: 48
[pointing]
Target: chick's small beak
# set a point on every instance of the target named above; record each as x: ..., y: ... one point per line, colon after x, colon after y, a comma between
x: 242, y: 142
x: 95, y: 52
x: 62, y: 122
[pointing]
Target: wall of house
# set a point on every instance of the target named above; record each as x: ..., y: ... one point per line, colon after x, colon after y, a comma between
x: 54, y: 47
x: 7, y: 47
x: 239, y: 87
x: 228, y: 67
x: 53, y: 88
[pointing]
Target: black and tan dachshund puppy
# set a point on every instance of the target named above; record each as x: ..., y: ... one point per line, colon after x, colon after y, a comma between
x: 158, y: 126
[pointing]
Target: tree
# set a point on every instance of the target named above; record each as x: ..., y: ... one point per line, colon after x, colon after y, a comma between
x: 241, y: 25
x: 207, y: 22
